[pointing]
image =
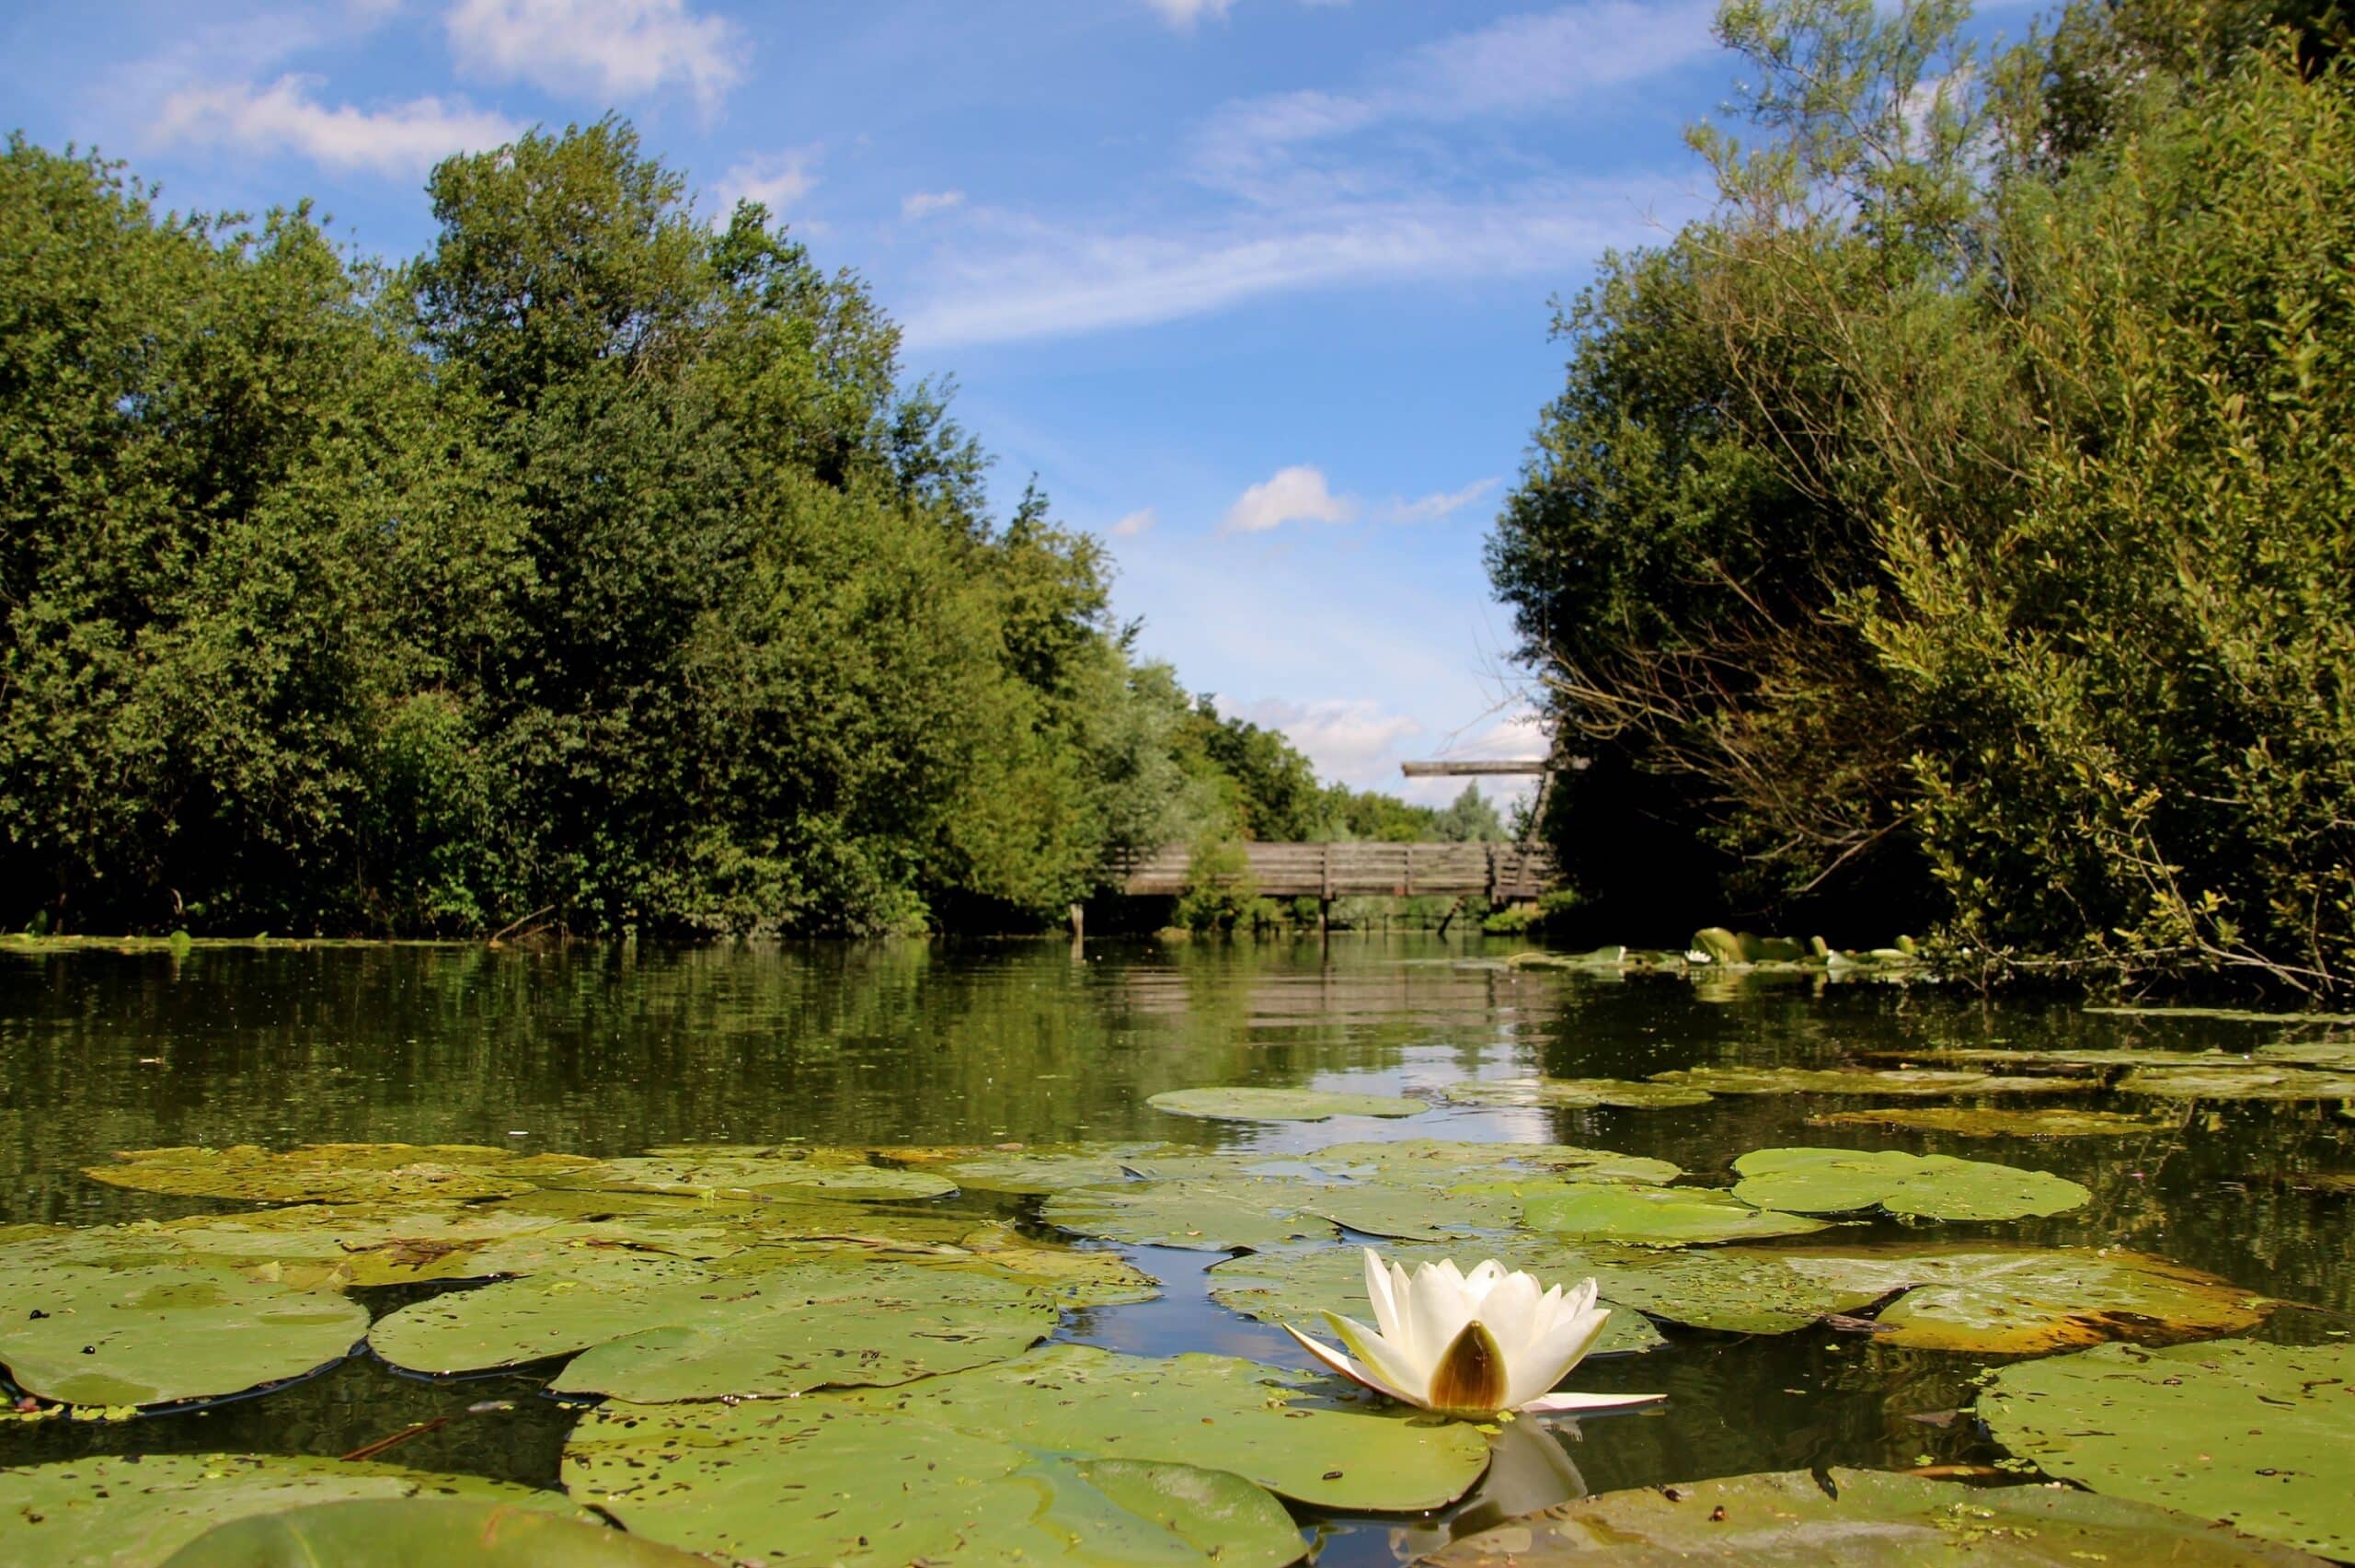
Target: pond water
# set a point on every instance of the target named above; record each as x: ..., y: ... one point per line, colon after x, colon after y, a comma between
x: 603, y: 1053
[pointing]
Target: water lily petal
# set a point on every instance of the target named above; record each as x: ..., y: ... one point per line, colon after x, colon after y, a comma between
x: 1548, y: 1362
x: 1394, y: 1371
x: 1554, y: 1404
x: 1437, y: 1310
x: 1380, y: 1289
x: 1510, y: 1308
x: 1339, y: 1363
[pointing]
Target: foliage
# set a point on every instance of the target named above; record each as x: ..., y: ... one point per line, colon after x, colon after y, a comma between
x: 1958, y: 518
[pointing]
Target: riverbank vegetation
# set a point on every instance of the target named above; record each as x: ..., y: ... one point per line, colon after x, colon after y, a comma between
x: 1956, y: 525
x: 600, y: 559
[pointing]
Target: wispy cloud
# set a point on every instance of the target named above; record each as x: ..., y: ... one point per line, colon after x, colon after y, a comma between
x: 1133, y: 524
x: 775, y: 180
x: 1297, y: 494
x: 920, y: 204
x: 287, y: 116
x: 1183, y: 13
x: 608, y: 50
x: 1445, y: 503
x: 1354, y: 739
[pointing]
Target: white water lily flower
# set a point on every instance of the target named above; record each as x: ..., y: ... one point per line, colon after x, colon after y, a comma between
x: 1469, y: 1344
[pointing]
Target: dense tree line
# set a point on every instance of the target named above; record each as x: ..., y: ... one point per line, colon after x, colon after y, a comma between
x: 1957, y: 527
x: 597, y: 559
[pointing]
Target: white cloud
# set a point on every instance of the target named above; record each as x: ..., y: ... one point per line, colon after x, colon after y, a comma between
x: 775, y: 180
x: 602, y: 49
x: 1445, y: 503
x: 1297, y: 494
x: 924, y: 203
x: 1354, y: 739
x: 398, y: 139
x: 1136, y: 523
x: 1184, y: 13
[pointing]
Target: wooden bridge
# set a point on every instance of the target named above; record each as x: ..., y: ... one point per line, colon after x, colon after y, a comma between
x: 1500, y: 873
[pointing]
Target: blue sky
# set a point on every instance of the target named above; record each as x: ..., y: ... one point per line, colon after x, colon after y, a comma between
x: 1258, y: 288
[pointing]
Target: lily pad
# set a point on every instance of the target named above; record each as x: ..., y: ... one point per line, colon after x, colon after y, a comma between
x: 2251, y: 1082
x: 1927, y: 1083
x: 1213, y: 1410
x: 816, y: 1483
x: 1659, y: 1217
x: 135, y: 1513
x: 1050, y: 1168
x: 2031, y: 1300
x: 2336, y: 1053
x: 693, y: 1336
x: 2230, y: 1015
x: 385, y: 1532
x: 1730, y: 1290
x: 1993, y: 1121
x: 364, y: 1244
x: 1444, y: 1163
x: 1575, y: 1093
x: 1245, y: 1102
x: 1916, y: 1186
x: 1298, y: 1284
x: 1858, y: 1517
x: 162, y: 1334
x: 1206, y: 1216
x: 336, y: 1173
x: 2063, y: 1059
x: 2254, y: 1435
x: 752, y: 1171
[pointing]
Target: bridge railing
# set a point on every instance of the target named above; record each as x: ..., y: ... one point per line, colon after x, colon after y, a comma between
x: 1500, y: 873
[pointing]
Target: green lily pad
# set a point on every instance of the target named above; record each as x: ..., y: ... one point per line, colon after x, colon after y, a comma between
x: 2251, y: 1082
x: 1729, y: 1289
x: 1212, y: 1216
x: 2254, y: 1434
x: 752, y: 1171
x: 814, y: 1481
x: 1074, y: 1276
x: 135, y: 1513
x: 1993, y: 1121
x: 386, y: 1532
x: 364, y: 1244
x: 2031, y: 1300
x: 1445, y: 1163
x: 1658, y: 1217
x: 2230, y: 1015
x: 1859, y: 1517
x: 684, y: 1334
x: 1213, y: 1410
x: 1927, y: 1083
x: 1575, y: 1093
x: 2061, y: 1059
x: 157, y: 1334
x: 2337, y: 1054
x: 337, y: 1173
x: 1037, y: 1170
x: 1918, y: 1186
x: 1298, y: 1284
x: 1245, y: 1102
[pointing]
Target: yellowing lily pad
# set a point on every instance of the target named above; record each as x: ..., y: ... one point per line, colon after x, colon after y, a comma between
x: 158, y: 1334
x: 2254, y: 1435
x: 1575, y: 1093
x: 1995, y: 1121
x: 1927, y: 1083
x: 135, y: 1513
x: 2251, y: 1082
x: 751, y: 1171
x: 1211, y: 1216
x: 2031, y: 1300
x: 1933, y: 1187
x: 1445, y: 1163
x: 1246, y: 1103
x: 385, y: 1532
x: 1855, y: 1515
x: 687, y: 1335
x: 1299, y: 1284
x: 1048, y: 1169
x: 813, y: 1481
x: 1658, y: 1217
x: 1212, y: 1411
x: 336, y: 1173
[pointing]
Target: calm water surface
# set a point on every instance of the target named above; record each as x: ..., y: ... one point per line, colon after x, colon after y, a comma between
x: 602, y: 1052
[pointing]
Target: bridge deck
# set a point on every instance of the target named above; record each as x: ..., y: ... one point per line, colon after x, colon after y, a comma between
x: 1499, y: 873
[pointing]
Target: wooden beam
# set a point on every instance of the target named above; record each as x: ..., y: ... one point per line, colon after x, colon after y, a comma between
x: 1525, y: 765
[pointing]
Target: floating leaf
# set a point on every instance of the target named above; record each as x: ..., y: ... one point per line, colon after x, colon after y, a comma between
x: 680, y: 1333
x: 1213, y: 1216
x: 1919, y: 1187
x: 1731, y: 1289
x: 2254, y: 1435
x: 366, y: 1244
x: 813, y: 1482
x: 1244, y: 1102
x: 2094, y: 1059
x: 1450, y: 1162
x: 1900, y: 1081
x: 1861, y: 1516
x: 2337, y: 1054
x: 160, y: 1333
x: 1213, y: 1410
x: 1049, y: 1169
x: 2029, y: 1300
x: 1991, y: 1121
x: 2229, y: 1014
x: 752, y: 1171
x: 135, y: 1513
x: 2238, y: 1083
x: 384, y: 1532
x: 1575, y: 1093
x: 1297, y: 1284
x: 1075, y: 1276
x: 1658, y: 1217
x: 336, y: 1173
